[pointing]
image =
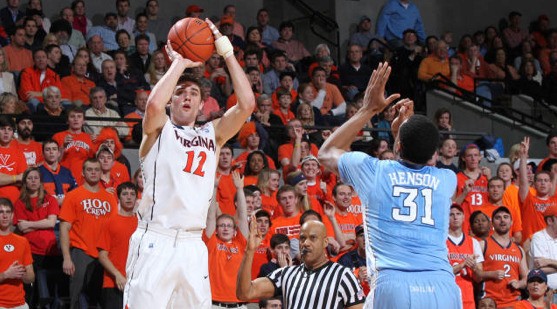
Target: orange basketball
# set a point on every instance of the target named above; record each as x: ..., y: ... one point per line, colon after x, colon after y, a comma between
x: 193, y: 39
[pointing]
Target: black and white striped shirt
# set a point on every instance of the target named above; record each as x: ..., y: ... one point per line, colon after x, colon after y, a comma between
x: 330, y: 286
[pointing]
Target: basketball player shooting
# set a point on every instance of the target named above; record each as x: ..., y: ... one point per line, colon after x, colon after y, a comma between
x: 167, y: 262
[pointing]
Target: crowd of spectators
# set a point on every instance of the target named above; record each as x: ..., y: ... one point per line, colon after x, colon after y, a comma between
x: 62, y: 81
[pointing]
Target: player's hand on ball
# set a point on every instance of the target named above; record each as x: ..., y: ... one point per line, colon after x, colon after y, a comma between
x: 176, y: 56
x: 222, y: 43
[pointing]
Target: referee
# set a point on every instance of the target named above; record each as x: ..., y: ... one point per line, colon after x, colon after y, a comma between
x: 316, y: 283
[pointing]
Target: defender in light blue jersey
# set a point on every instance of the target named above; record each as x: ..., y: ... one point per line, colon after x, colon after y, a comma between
x: 406, y: 205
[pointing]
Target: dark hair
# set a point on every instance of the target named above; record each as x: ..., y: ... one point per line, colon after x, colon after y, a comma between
x: 253, y: 28
x: 277, y: 53
x: 263, y: 213
x: 278, y: 239
x: 495, y: 178
x: 251, y: 69
x: 50, y: 141
x: 287, y: 73
x: 120, y: 32
x: 418, y: 139
x: 61, y: 25
x: 50, y: 47
x: 477, y: 213
x: 263, y: 302
x: 90, y: 160
x: 76, y: 110
x: 75, y: 2
x: 339, y: 184
x: 6, y: 202
x: 286, y: 24
x: 37, y: 51
x: 141, y: 14
x: 307, y: 213
x: 317, y: 69
x: 6, y: 121
x: 126, y: 185
x: 141, y: 37
x: 440, y: 111
x: 247, y: 170
x: 501, y: 209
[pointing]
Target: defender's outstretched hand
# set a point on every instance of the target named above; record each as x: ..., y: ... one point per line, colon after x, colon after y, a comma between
x: 405, y: 109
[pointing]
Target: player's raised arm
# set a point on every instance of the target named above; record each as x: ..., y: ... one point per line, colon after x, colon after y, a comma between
x: 374, y: 102
x: 234, y: 118
x: 155, y: 111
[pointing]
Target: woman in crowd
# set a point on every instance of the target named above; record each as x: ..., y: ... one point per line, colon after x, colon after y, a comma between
x: 505, y: 172
x: 35, y: 9
x: 141, y: 23
x: 92, y: 72
x: 7, y: 83
x: 123, y: 39
x: 35, y: 215
x: 530, y: 82
x: 268, y: 182
x: 10, y: 104
x: 480, y: 225
x: 254, y: 40
x: 157, y: 68
x: 256, y: 162
x: 80, y: 21
x: 540, y: 296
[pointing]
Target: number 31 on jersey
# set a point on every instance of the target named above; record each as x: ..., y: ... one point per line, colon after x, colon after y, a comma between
x: 414, y: 198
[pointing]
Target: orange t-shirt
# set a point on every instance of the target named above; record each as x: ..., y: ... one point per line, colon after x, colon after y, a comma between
x: 276, y: 104
x: 287, y: 226
x: 512, y: 201
x: 457, y: 254
x: 250, y: 180
x: 270, y: 204
x: 33, y: 152
x: 284, y: 117
x: 314, y: 191
x: 12, y: 162
x: 14, y: 248
x: 119, y: 172
x: 86, y: 211
x: 477, y: 196
x: 115, y: 239
x: 285, y: 151
x: 224, y: 263
x: 532, y: 214
x: 507, y: 259
x: 225, y: 194
x: 524, y: 304
x: 347, y: 224
x: 333, y: 98
x: 75, y: 152
x: 261, y: 256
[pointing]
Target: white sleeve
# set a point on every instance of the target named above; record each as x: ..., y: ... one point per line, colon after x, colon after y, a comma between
x: 319, y: 99
x: 537, y: 248
x: 340, y: 109
x: 478, y: 251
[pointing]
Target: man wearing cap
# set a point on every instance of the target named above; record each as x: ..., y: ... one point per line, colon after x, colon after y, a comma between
x: 25, y: 142
x: 107, y: 32
x: 513, y: 35
x: 363, y: 34
x: 237, y: 28
x: 356, y: 259
x: 505, y: 268
x: 83, y: 214
x: 465, y: 255
x: 538, y: 292
x: 543, y: 249
x: 397, y: 16
x: 312, y: 169
x: 226, y: 27
x: 194, y: 11
x: 533, y: 205
x: 294, y: 49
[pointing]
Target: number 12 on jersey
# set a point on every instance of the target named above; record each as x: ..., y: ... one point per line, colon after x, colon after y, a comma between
x: 413, y: 198
x: 195, y: 162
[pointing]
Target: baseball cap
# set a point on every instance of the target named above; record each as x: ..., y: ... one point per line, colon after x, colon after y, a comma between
x: 537, y: 273
x: 295, y: 177
x: 309, y: 158
x: 550, y: 211
x: 194, y: 9
x: 104, y: 147
x: 364, y: 18
x: 516, y: 164
x: 359, y: 229
x: 226, y: 20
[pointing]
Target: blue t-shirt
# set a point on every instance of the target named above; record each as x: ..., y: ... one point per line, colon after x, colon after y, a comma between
x: 406, y: 212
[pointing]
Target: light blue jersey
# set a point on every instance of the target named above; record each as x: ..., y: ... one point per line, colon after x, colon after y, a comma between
x: 406, y: 214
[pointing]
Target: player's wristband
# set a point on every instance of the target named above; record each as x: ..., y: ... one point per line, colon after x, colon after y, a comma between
x: 224, y: 47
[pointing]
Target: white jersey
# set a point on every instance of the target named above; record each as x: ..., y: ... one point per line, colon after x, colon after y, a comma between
x: 178, y: 177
